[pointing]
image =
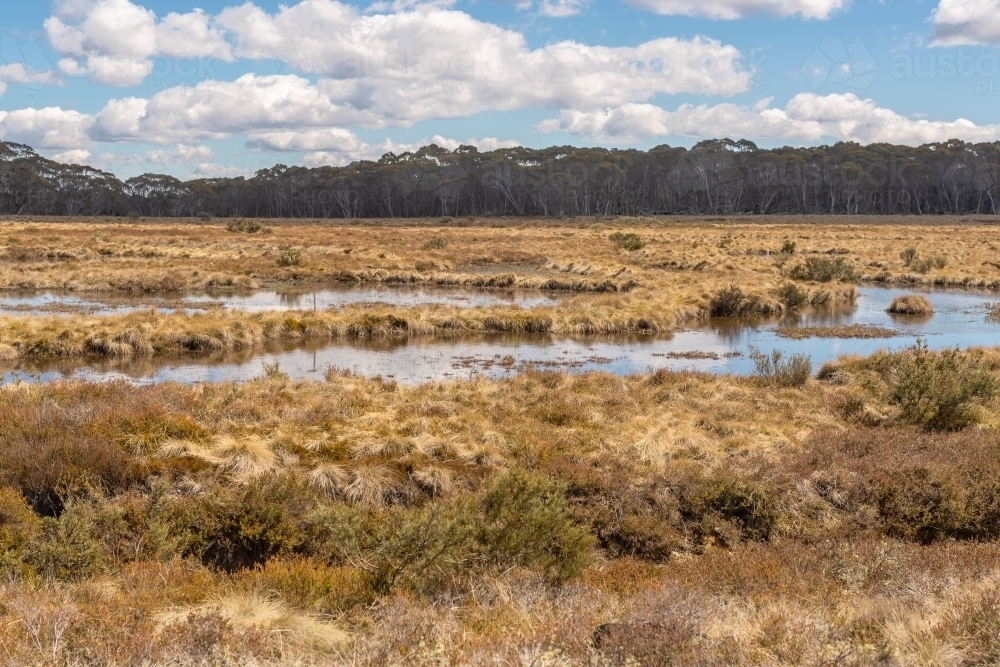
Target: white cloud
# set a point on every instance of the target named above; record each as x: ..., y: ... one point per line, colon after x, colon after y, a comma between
x: 966, y: 22
x: 17, y: 73
x: 73, y: 156
x: 214, y: 170
x: 180, y: 154
x: 561, y: 8
x: 737, y: 9
x: 807, y: 117
x: 332, y: 139
x: 3, y: 88
x: 431, y: 62
x: 114, y: 41
x: 218, y: 109
x: 419, y: 61
x: 51, y: 128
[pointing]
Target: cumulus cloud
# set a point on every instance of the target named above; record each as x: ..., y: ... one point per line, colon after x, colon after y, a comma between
x: 18, y: 73
x: 807, y: 117
x: 737, y: 9
x: 180, y: 154
x: 49, y: 128
x: 115, y: 41
x: 416, y: 62
x: 331, y: 139
x: 958, y: 22
x: 218, y: 109
x: 442, y: 63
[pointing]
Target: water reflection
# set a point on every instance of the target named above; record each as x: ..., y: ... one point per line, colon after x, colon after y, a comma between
x: 53, y: 302
x: 717, y: 346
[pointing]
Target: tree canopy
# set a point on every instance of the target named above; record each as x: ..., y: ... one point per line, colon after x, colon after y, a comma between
x: 713, y: 177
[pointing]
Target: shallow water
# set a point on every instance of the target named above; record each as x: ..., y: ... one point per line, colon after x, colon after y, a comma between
x: 718, y: 346
x: 54, y: 302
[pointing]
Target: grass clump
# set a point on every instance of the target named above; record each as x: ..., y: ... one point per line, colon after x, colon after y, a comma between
x: 910, y: 304
x: 627, y: 241
x: 290, y: 257
x: 436, y: 243
x: 732, y: 302
x: 775, y: 369
x: 922, y: 264
x: 244, y: 226
x: 823, y: 270
x: 913, y: 259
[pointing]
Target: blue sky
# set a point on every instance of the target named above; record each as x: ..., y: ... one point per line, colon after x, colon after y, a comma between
x: 210, y: 87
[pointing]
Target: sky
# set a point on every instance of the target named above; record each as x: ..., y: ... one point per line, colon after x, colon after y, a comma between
x: 205, y: 88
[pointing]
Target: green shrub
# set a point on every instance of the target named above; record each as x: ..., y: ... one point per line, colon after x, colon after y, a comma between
x: 940, y: 261
x: 290, y: 257
x: 436, y: 243
x: 525, y: 523
x: 65, y: 548
x: 938, y: 390
x: 732, y: 302
x: 18, y: 523
x: 908, y: 255
x: 204, y: 215
x: 627, y: 241
x: 788, y: 247
x: 418, y: 548
x: 823, y: 270
x: 792, y: 295
x: 520, y: 522
x: 774, y: 369
x: 234, y: 528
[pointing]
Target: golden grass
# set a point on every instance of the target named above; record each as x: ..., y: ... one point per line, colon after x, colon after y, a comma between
x: 251, y: 609
x: 911, y: 304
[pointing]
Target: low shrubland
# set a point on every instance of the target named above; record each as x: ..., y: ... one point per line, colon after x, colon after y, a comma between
x: 666, y: 517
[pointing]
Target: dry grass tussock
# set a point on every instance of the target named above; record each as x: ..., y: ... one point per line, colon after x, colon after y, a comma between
x: 911, y: 304
x: 673, y: 272
x: 545, y: 519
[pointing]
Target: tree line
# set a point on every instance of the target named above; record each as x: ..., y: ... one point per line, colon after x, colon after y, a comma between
x: 716, y: 177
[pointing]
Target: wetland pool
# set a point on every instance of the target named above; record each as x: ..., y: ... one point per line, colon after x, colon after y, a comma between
x: 92, y: 303
x: 722, y: 345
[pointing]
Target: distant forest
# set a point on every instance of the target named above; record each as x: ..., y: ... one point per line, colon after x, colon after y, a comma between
x: 718, y: 177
